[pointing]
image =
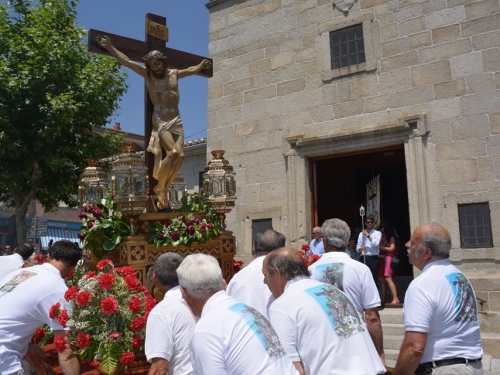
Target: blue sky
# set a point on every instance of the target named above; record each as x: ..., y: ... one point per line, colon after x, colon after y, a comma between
x: 187, y: 22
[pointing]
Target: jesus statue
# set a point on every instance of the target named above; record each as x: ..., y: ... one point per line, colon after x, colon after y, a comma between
x: 167, y: 134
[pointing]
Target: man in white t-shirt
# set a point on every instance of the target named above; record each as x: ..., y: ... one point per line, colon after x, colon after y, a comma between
x: 350, y: 276
x: 26, y: 296
x: 170, y: 324
x: 248, y: 285
x: 15, y: 261
x: 231, y: 337
x: 316, y: 244
x: 367, y: 246
x: 318, y: 324
x: 440, y: 311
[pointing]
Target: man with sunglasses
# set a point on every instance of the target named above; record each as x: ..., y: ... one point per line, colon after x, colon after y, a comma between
x: 367, y: 246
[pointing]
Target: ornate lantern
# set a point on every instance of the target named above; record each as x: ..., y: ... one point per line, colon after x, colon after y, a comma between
x: 130, y: 183
x: 94, y: 183
x: 219, y: 186
x: 176, y: 192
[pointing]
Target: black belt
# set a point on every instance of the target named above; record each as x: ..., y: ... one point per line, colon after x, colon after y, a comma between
x: 426, y: 368
x: 370, y: 256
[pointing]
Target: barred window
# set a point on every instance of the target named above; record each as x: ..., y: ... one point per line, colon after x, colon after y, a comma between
x: 260, y: 225
x: 347, y: 46
x: 475, y: 225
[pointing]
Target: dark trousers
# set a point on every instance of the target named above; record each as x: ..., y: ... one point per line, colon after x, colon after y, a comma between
x: 372, y: 263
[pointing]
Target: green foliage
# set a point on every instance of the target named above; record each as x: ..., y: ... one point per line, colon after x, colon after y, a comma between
x: 103, y: 226
x: 52, y: 94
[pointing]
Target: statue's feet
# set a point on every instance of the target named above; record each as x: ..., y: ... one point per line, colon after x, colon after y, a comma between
x: 162, y: 202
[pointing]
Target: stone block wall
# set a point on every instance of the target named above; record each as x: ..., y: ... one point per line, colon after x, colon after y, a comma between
x: 274, y: 102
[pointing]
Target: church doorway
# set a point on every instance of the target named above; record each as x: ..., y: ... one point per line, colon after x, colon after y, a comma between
x: 339, y: 189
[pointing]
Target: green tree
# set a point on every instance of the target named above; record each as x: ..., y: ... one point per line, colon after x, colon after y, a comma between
x: 52, y: 93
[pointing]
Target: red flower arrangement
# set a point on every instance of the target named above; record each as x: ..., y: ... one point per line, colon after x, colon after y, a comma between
x: 108, y: 318
x: 306, y: 256
x: 238, y: 265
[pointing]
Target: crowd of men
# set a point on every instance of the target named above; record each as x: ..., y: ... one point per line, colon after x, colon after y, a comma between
x: 276, y: 316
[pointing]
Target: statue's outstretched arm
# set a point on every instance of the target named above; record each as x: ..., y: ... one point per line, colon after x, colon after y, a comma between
x: 105, y: 42
x: 205, y: 64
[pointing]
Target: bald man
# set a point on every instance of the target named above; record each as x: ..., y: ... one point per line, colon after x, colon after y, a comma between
x: 316, y: 243
x: 317, y: 324
x: 440, y: 311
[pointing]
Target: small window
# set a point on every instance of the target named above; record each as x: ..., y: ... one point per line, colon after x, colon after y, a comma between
x: 475, y: 225
x: 260, y: 226
x: 347, y: 46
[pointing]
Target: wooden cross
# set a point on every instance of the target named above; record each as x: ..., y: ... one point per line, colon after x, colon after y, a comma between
x: 156, y: 36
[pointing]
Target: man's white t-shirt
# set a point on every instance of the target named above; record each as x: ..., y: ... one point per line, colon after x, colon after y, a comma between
x: 320, y: 327
x: 233, y: 338
x: 169, y: 329
x: 26, y: 297
x: 10, y: 263
x: 248, y: 287
x: 350, y: 276
x: 442, y: 303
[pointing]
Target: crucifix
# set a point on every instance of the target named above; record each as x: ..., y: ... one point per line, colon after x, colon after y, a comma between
x: 163, y: 126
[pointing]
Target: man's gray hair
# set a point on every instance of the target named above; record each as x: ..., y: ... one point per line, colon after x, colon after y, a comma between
x: 337, y: 233
x: 434, y: 239
x: 200, y: 274
x: 166, y: 268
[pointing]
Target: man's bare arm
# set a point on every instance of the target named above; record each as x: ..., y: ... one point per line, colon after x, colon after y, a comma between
x: 159, y: 366
x: 68, y: 366
x: 299, y: 367
x: 105, y: 42
x: 374, y: 326
x: 205, y: 64
x: 411, y: 353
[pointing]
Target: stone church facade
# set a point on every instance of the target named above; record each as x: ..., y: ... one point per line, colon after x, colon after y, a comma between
x: 429, y: 83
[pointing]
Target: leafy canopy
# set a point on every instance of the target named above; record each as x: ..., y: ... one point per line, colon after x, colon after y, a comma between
x: 53, y: 92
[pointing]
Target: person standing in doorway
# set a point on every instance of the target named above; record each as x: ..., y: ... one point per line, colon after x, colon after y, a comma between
x: 316, y: 243
x: 368, y: 246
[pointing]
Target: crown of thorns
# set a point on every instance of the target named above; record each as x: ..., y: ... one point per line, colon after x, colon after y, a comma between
x: 155, y: 55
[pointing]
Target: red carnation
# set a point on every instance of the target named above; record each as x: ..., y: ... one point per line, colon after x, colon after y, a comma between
x: 132, y: 282
x: 103, y: 263
x: 40, y: 333
x: 143, y: 289
x: 109, y: 305
x: 127, y: 358
x: 115, y: 335
x: 83, y: 340
x: 175, y: 235
x: 95, y: 363
x: 63, y: 318
x: 126, y: 270
x: 90, y: 224
x: 70, y: 293
x: 136, y: 343
x: 90, y: 275
x: 305, y: 247
x: 81, y: 235
x: 83, y: 298
x: 70, y: 274
x: 106, y: 281
x: 210, y: 226
x: 135, y: 304
x: 190, y: 230
x: 138, y: 324
x: 96, y: 212
x: 82, y: 215
x: 150, y: 303
x: 54, y: 311
x: 60, y: 343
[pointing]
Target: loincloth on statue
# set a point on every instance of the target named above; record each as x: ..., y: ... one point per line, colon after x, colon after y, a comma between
x: 173, y: 126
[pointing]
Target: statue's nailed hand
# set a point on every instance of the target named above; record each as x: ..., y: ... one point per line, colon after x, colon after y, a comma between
x: 103, y: 41
x: 206, y: 64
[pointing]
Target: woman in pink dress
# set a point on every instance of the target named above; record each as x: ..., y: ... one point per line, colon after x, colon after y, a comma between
x: 388, y: 250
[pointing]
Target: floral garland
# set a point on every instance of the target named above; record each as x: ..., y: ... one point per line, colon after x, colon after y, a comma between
x: 186, y: 229
x: 103, y: 226
x: 107, y: 312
